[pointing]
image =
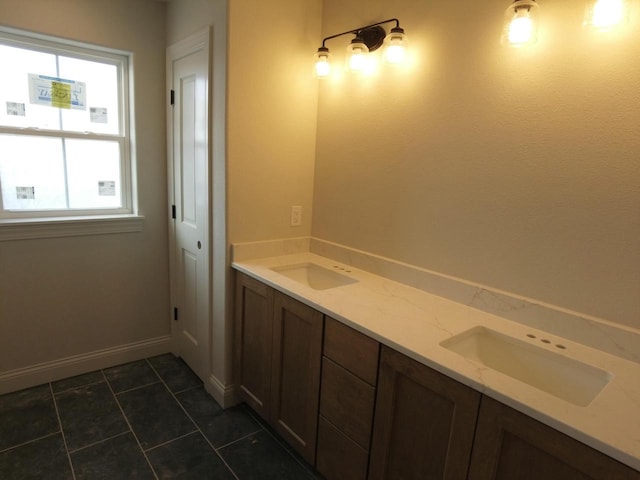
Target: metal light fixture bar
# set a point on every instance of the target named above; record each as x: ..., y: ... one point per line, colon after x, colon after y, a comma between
x: 366, y: 39
x: 371, y: 35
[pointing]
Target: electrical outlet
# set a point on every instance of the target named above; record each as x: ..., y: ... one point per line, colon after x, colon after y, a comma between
x: 296, y: 215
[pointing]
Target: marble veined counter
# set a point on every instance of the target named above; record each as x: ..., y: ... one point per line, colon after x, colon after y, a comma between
x: 415, y: 322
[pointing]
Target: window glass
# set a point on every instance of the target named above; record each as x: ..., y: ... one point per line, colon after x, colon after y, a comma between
x: 101, y: 80
x: 15, y: 109
x: 32, y: 173
x: 93, y: 169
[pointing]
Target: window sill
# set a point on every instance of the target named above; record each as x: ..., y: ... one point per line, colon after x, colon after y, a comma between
x: 22, y: 229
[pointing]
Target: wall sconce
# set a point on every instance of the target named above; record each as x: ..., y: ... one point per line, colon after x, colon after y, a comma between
x: 367, y: 39
x: 521, y: 23
x: 605, y: 14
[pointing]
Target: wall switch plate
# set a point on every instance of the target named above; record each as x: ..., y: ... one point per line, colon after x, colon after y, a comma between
x: 296, y: 215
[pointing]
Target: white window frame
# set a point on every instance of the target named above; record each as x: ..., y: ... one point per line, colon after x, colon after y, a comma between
x: 19, y: 224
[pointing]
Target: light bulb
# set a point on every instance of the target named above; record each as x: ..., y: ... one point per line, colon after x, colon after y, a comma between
x: 395, y: 46
x: 322, y: 64
x: 604, y: 14
x: 357, y: 56
x: 521, y: 23
x: 520, y: 29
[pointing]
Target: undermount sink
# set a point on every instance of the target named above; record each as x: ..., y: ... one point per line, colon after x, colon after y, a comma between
x: 561, y: 376
x: 314, y: 276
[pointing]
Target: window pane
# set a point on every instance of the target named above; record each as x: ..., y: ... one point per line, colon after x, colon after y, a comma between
x: 93, y: 169
x: 32, y: 173
x: 15, y: 109
x: 62, y: 129
x: 102, y: 112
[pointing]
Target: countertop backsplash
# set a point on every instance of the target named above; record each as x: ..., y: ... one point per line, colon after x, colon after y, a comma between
x: 621, y: 341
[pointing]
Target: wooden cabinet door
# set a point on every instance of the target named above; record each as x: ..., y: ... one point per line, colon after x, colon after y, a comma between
x: 295, y: 377
x: 511, y: 445
x: 424, y: 422
x: 253, y: 341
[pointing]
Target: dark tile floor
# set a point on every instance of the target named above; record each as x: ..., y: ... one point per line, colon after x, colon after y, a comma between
x: 149, y: 419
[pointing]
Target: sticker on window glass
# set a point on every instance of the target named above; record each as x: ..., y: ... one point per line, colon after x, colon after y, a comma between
x: 107, y: 188
x: 98, y: 115
x: 15, y: 109
x: 25, y: 193
x: 57, y: 92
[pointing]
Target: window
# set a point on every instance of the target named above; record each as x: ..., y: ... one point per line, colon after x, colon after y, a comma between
x: 64, y: 130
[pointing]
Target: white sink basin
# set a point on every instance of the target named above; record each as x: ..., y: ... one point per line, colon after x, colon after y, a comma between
x: 561, y: 376
x: 314, y: 276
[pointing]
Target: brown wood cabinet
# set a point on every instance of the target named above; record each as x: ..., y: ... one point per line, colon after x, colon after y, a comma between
x: 511, y: 445
x: 424, y: 425
x: 278, y: 351
x: 253, y: 342
x: 295, y: 373
x: 424, y: 422
x: 347, y: 399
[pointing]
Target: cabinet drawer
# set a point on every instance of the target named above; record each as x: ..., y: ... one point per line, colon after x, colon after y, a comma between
x: 347, y: 402
x: 352, y: 350
x: 339, y: 458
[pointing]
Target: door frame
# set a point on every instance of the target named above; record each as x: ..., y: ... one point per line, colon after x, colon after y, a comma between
x: 198, y: 41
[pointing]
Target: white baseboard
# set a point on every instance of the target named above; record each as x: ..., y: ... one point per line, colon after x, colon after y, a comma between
x: 32, y: 375
x: 225, y: 395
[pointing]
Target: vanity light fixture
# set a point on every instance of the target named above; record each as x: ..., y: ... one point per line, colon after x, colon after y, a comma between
x: 521, y: 23
x: 366, y: 39
x: 605, y: 14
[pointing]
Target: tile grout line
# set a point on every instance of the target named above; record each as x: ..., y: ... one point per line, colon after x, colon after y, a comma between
x: 64, y: 437
x: 240, y: 439
x: 186, y: 389
x: 193, y: 421
x: 169, y: 441
x: 30, y: 441
x: 98, y: 442
x: 137, y: 388
x: 155, y: 475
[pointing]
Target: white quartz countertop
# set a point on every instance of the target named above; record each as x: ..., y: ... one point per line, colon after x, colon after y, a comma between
x: 415, y: 322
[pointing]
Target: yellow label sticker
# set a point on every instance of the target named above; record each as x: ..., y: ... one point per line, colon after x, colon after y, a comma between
x: 60, y: 95
x: 57, y: 92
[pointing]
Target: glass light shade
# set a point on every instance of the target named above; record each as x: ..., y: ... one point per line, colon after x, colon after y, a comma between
x: 395, y: 46
x: 357, y: 56
x: 322, y: 63
x: 521, y: 23
x: 605, y: 14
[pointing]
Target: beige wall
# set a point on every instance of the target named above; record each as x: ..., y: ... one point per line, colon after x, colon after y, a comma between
x: 515, y: 169
x: 271, y: 116
x: 71, y: 296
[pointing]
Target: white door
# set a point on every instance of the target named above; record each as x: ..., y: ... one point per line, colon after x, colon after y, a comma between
x: 188, y: 72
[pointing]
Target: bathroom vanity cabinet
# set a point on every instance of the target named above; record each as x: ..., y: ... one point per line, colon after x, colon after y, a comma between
x: 278, y: 355
x: 359, y: 410
x: 425, y: 427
